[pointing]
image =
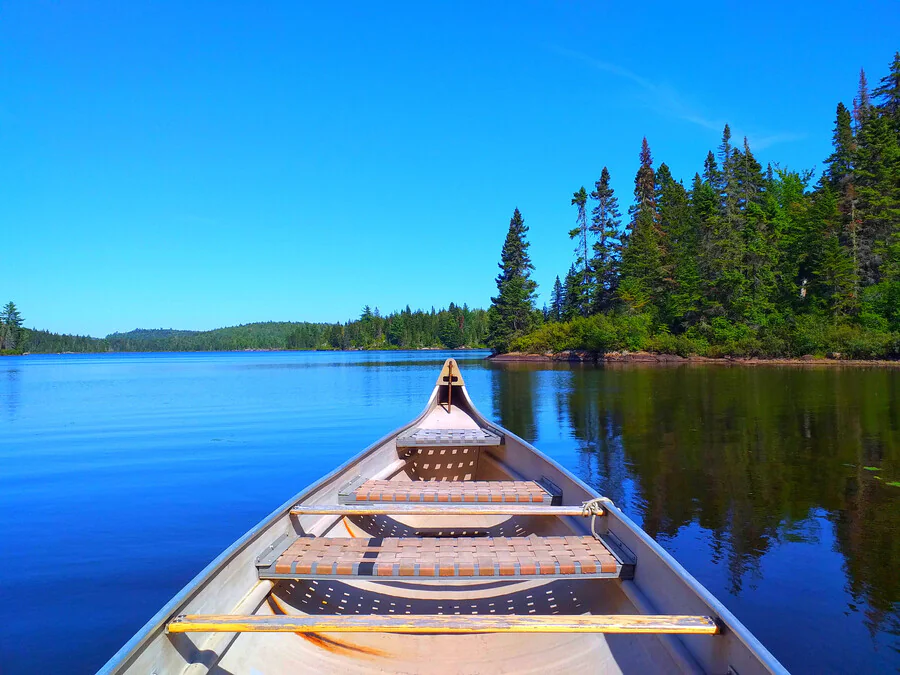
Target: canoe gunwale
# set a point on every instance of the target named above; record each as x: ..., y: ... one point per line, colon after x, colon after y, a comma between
x: 157, y: 623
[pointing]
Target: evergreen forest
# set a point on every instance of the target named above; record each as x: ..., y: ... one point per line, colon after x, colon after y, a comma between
x: 452, y: 328
x: 741, y: 260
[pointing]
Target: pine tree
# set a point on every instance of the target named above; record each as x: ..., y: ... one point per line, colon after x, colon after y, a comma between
x: 727, y: 178
x: 11, y: 321
x: 512, y: 312
x: 877, y: 190
x: 841, y: 223
x: 831, y: 261
x: 862, y: 104
x: 580, y: 234
x: 571, y: 293
x: 557, y: 301
x: 759, y: 253
x: 840, y: 162
x: 682, y: 298
x: 723, y: 247
x: 641, y: 274
x: 605, y: 223
x: 888, y: 93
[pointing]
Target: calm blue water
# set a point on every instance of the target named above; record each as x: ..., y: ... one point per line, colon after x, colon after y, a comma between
x: 123, y: 475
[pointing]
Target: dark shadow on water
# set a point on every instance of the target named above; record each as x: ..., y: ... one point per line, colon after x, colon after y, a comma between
x: 758, y: 458
x: 512, y: 398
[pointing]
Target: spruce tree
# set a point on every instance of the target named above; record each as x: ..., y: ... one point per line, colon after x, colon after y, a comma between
x: 681, y: 300
x: 832, y: 264
x: 888, y: 93
x: 582, y: 261
x: 11, y: 321
x: 557, y: 300
x: 840, y: 163
x: 727, y: 177
x: 605, y: 222
x: 724, y: 246
x: 641, y: 274
x: 571, y: 293
x: 877, y: 190
x: 759, y: 253
x: 841, y: 222
x: 512, y: 312
x: 862, y: 104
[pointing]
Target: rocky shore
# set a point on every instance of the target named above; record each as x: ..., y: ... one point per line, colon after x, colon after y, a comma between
x: 647, y: 358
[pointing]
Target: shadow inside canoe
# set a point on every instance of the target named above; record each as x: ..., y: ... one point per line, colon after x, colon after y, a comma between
x: 191, y: 654
x: 329, y: 597
x: 387, y: 526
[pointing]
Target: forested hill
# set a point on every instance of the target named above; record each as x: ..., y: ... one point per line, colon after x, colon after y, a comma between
x: 451, y: 328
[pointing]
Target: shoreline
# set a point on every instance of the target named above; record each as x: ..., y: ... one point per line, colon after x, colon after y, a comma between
x: 652, y: 359
x: 256, y: 349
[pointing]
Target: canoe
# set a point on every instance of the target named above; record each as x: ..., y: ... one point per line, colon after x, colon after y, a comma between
x: 451, y: 545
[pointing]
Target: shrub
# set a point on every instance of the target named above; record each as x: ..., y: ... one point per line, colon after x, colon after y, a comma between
x: 784, y: 336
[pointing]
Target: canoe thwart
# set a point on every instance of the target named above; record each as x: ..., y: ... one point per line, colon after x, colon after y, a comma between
x: 436, y: 558
x: 446, y: 623
x: 419, y: 437
x: 449, y: 491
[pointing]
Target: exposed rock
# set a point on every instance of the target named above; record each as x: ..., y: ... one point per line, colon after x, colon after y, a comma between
x: 520, y: 356
x: 835, y: 359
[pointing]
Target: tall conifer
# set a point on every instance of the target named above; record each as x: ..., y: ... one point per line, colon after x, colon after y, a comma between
x: 571, y: 294
x: 512, y: 312
x: 641, y: 274
x: 681, y: 299
x: 605, y: 222
x: 580, y: 234
x: 557, y: 301
x: 888, y: 93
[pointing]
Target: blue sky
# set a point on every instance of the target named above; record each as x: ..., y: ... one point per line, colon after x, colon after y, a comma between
x: 195, y: 165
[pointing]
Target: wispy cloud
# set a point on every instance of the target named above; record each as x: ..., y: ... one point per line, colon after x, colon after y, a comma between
x: 763, y: 141
x: 665, y: 100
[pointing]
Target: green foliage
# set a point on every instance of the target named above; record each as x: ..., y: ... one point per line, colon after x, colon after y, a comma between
x: 10, y: 328
x: 720, y: 337
x: 641, y: 272
x: 44, y: 342
x: 512, y: 312
x: 557, y: 301
x: 451, y: 328
x: 749, y: 262
x: 605, y: 222
x: 581, y: 301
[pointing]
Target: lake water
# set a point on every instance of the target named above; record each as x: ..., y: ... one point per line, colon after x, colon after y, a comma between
x: 123, y: 475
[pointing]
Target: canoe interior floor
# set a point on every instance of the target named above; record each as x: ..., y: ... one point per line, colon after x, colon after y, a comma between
x: 494, y: 653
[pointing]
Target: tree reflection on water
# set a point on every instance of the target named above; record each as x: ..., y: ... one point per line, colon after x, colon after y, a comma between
x: 756, y: 457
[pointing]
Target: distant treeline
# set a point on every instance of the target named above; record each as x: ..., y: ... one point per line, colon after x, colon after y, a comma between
x: 451, y: 328
x: 740, y: 260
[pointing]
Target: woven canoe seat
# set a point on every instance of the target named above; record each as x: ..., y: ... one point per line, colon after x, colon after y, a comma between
x: 567, y: 556
x: 471, y: 491
x: 429, y: 437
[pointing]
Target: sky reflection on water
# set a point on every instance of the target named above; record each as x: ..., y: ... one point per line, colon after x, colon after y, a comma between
x: 126, y: 474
